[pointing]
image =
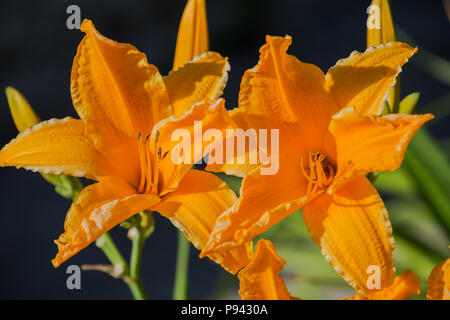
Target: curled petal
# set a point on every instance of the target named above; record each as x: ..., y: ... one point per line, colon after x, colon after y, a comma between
x: 353, y: 230
x: 405, y: 285
x: 192, y: 39
x: 260, y: 280
x: 358, y: 138
x: 363, y: 79
x: 202, y: 79
x: 96, y: 210
x: 56, y: 147
x: 439, y: 282
x: 194, y: 207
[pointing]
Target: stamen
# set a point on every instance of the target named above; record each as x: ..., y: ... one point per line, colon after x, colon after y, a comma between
x: 149, y: 186
x: 319, y: 174
x: 143, y: 163
x: 165, y: 154
x: 150, y: 155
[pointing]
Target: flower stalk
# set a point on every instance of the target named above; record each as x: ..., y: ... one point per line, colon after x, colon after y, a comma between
x: 182, y: 267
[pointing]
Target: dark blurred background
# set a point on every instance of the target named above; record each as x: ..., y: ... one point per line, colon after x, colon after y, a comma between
x: 36, y: 57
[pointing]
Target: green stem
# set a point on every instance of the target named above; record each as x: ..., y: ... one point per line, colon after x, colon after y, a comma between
x: 136, y: 285
x: 134, y: 282
x: 107, y: 245
x: 181, y: 272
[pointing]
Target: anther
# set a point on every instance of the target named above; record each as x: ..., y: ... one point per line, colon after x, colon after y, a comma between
x: 319, y: 173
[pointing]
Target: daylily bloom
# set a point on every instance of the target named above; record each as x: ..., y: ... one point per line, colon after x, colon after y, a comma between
x: 260, y: 279
x: 439, y: 282
x: 331, y: 135
x: 127, y: 113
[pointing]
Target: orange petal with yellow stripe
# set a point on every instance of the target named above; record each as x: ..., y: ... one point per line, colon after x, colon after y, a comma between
x: 282, y: 89
x: 119, y: 95
x: 353, y: 230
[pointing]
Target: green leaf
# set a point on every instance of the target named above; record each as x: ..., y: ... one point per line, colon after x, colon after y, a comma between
x: 428, y: 166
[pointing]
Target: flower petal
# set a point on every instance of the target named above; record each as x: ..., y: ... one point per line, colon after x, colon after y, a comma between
x: 439, y: 282
x: 230, y: 165
x: 259, y: 280
x: 194, y: 207
x: 193, y: 37
x: 97, y: 209
x: 56, y: 147
x: 280, y: 88
x: 354, y: 232
x: 359, y: 138
x: 363, y: 79
x: 284, y: 94
x: 119, y: 95
x: 405, y: 285
x: 264, y: 201
x: 202, y: 79
x: 200, y: 117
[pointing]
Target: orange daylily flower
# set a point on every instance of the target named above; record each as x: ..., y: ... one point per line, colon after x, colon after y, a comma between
x: 127, y: 114
x: 331, y: 135
x: 260, y: 280
x: 439, y: 282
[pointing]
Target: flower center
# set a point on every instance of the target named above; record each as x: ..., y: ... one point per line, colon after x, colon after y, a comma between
x: 319, y: 172
x: 150, y: 156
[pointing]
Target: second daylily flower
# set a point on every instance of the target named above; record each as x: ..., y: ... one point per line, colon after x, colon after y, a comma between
x: 331, y: 136
x: 127, y: 114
